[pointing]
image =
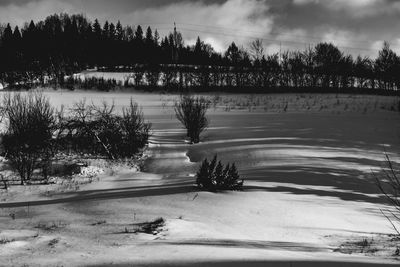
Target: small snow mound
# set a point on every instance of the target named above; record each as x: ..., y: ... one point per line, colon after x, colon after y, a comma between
x: 90, y: 171
x: 182, y: 228
x: 17, y: 234
x: 16, y: 244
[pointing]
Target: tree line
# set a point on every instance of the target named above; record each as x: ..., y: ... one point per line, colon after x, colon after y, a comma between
x: 48, y: 51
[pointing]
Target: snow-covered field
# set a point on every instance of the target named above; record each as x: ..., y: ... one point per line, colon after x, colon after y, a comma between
x: 310, y: 198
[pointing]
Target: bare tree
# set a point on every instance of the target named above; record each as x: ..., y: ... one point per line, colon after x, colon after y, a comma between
x: 28, y: 141
x: 256, y: 50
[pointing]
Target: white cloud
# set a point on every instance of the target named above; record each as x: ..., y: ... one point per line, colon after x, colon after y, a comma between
x: 218, y: 24
x: 339, y: 37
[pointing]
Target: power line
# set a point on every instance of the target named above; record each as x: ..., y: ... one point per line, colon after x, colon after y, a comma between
x: 272, y: 33
x: 286, y: 43
x: 269, y: 40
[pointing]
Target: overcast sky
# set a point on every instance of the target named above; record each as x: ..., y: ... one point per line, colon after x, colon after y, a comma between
x: 357, y: 26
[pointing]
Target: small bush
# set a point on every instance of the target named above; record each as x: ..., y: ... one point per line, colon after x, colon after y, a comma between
x: 136, y: 131
x: 191, y: 112
x: 213, y: 176
x: 28, y: 140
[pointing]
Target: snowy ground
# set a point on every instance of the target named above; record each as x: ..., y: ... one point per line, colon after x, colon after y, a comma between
x: 309, y: 199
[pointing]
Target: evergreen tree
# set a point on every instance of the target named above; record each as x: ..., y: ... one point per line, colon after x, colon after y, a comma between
x: 213, y: 176
x: 139, y: 34
x: 17, y: 36
x: 202, y: 178
x: 112, y: 31
x: 219, y: 175
x: 225, y: 174
x: 197, y: 51
x: 232, y: 182
x: 129, y: 34
x: 7, y: 35
x: 97, y: 29
x: 17, y: 49
x: 106, y: 30
x: 149, y: 37
x: 211, y: 168
x: 232, y: 54
x: 119, y: 33
x: 156, y: 38
x: 7, y: 61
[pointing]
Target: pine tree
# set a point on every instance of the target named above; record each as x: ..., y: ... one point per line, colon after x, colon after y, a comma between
x: 112, y: 31
x: 17, y: 35
x: 213, y: 176
x: 225, y: 175
x: 203, y: 179
x: 7, y: 50
x: 17, y: 47
x: 197, y: 46
x: 149, y: 37
x: 129, y: 34
x: 97, y: 29
x: 7, y: 35
x: 106, y: 30
x: 211, y: 168
x: 96, y: 44
x: 197, y: 51
x: 119, y: 32
x: 233, y: 182
x: 32, y: 27
x: 156, y: 38
x: 219, y: 175
x: 139, y: 34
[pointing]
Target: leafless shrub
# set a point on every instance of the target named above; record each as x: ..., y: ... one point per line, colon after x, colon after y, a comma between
x: 99, y: 130
x: 389, y: 185
x: 191, y: 112
x: 28, y: 139
x: 4, y: 240
x: 149, y: 227
x: 51, y: 226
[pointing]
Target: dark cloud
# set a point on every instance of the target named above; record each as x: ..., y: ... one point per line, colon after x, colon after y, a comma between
x: 15, y: 2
